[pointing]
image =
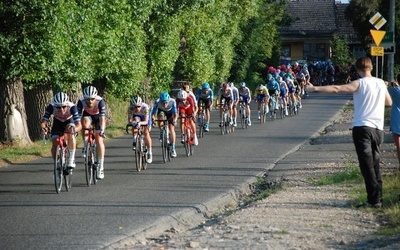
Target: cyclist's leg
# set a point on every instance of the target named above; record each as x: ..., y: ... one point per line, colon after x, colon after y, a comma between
x: 148, y: 142
x: 222, y: 100
x: 172, y: 138
x: 134, y: 131
x: 182, y: 115
x: 70, y: 137
x: 100, y: 147
x: 207, y: 106
x: 57, y: 129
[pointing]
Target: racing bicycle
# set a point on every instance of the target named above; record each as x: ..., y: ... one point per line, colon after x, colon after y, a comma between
x: 188, y: 139
x: 90, y: 152
x: 140, y: 149
x: 61, y: 171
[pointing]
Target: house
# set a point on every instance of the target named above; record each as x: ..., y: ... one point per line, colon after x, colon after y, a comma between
x: 314, y: 24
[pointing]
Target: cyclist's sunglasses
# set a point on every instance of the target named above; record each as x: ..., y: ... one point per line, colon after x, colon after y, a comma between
x: 89, y: 99
x: 59, y: 107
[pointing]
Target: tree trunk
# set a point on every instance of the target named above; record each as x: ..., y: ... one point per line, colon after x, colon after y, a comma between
x: 36, y: 101
x: 13, y: 121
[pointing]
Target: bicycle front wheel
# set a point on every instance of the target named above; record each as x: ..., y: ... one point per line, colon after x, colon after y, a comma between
x: 67, y: 173
x: 138, y: 154
x: 164, y: 146
x: 58, y: 172
x: 186, y: 142
x: 88, y: 165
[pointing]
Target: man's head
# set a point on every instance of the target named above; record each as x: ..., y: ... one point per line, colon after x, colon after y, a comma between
x: 364, y: 64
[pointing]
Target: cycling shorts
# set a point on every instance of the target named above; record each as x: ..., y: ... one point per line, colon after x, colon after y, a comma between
x: 59, y: 127
x: 94, y: 119
x: 273, y: 92
x: 185, y: 111
x: 226, y: 100
x: 168, y: 114
x: 283, y: 93
x: 207, y: 102
x: 261, y: 97
x: 142, y: 118
x: 291, y: 89
x: 244, y: 99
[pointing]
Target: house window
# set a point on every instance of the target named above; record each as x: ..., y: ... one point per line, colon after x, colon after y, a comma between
x: 286, y: 51
x: 314, y: 51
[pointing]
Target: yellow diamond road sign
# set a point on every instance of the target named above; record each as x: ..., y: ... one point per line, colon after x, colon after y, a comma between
x: 377, y: 51
x: 377, y: 35
x: 377, y: 20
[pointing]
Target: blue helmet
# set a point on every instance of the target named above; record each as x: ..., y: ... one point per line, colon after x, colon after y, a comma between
x: 164, y: 96
x: 205, y: 85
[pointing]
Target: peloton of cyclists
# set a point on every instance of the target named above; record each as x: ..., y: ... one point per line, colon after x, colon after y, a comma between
x: 66, y: 117
x: 205, y: 95
x: 93, y: 110
x: 139, y: 115
x: 245, y: 97
x: 165, y: 107
x: 225, y: 95
x: 187, y: 109
x: 262, y: 96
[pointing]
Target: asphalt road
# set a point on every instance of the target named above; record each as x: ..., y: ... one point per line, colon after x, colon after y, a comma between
x: 127, y: 203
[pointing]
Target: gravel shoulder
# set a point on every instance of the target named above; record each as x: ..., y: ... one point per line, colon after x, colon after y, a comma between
x: 299, y: 215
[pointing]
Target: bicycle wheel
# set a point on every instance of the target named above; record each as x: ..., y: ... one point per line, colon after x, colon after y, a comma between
x: 201, y: 125
x: 138, y: 154
x: 93, y: 153
x: 144, y: 156
x: 88, y: 165
x: 164, y: 146
x: 58, y: 172
x: 67, y: 174
x: 242, y: 118
x: 226, y: 123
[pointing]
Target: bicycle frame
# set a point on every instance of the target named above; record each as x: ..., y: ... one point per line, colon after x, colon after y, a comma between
x: 225, y: 128
x: 202, y: 119
x: 243, y: 114
x: 188, y: 139
x: 91, y: 158
x: 165, y: 140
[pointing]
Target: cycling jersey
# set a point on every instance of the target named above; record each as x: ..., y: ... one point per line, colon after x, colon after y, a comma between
x: 186, y: 108
x: 168, y: 108
x: 262, y: 91
x: 141, y: 113
x: 70, y: 116
x: 99, y: 107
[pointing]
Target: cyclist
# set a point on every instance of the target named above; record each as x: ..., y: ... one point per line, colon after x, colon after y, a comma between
x: 235, y: 92
x: 273, y: 89
x: 166, y: 106
x: 93, y: 110
x: 283, y: 93
x: 262, y: 96
x: 66, y: 116
x: 225, y: 95
x: 139, y: 115
x: 205, y: 95
x: 186, y: 87
x: 187, y: 108
x: 245, y: 97
x: 291, y: 89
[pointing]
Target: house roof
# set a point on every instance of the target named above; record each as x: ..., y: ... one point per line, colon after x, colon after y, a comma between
x: 317, y: 18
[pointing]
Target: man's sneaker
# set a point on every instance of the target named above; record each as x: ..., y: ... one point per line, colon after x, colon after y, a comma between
x: 234, y: 123
x: 173, y: 153
x: 100, y: 174
x: 286, y: 112
x: 195, y: 141
x: 149, y: 158
x: 134, y: 145
x: 183, y: 138
x: 71, y: 164
x: 248, y: 122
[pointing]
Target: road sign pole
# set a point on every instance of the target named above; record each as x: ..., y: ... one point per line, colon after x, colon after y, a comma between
x: 390, y: 65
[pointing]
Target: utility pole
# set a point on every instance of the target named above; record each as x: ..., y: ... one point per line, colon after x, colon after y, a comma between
x: 390, y: 70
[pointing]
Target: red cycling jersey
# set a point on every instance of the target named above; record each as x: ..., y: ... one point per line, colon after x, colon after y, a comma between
x: 186, y: 108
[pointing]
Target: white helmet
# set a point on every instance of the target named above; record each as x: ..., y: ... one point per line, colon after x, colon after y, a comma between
x: 182, y: 95
x: 136, y: 101
x: 61, y: 98
x: 90, y: 92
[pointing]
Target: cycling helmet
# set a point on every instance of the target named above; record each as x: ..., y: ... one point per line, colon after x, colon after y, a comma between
x: 61, y: 98
x: 205, y: 85
x: 225, y: 86
x: 136, y: 101
x: 182, y: 95
x: 164, y: 96
x: 269, y: 76
x: 242, y: 84
x: 90, y: 92
x: 259, y: 87
x: 231, y: 84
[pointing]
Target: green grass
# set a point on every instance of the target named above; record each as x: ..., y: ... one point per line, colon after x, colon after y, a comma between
x: 389, y: 214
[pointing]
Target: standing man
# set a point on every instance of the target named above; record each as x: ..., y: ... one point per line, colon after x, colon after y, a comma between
x: 93, y: 110
x: 370, y: 96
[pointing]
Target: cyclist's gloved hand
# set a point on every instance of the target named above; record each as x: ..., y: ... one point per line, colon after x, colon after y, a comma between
x: 135, y: 124
x: 102, y: 133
